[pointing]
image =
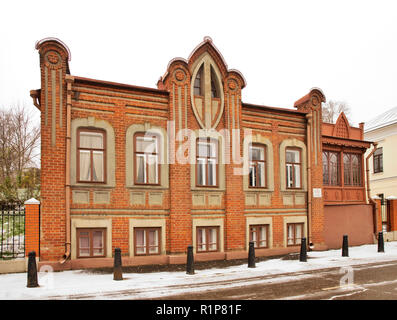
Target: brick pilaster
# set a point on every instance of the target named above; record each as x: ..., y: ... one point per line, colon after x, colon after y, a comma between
x: 32, y: 226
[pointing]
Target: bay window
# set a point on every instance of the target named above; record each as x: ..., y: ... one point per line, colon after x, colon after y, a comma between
x: 331, y: 168
x: 352, y: 169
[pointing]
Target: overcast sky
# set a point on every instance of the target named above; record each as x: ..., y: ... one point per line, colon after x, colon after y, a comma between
x: 283, y: 48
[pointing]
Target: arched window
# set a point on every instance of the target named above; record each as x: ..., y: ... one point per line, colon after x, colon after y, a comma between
x: 214, y: 84
x: 198, y: 82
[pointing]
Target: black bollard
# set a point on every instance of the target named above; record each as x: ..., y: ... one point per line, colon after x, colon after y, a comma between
x: 32, y: 270
x: 303, y: 253
x: 345, y: 246
x: 381, y: 243
x: 190, y: 260
x: 117, y: 272
x: 251, y: 255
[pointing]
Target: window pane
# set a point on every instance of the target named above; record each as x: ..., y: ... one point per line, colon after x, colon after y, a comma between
x: 198, y: 83
x: 97, y: 172
x: 146, y: 144
x: 85, y: 168
x: 325, y: 168
x: 140, y: 168
x: 153, y: 241
x: 252, y: 176
x: 254, y: 236
x: 91, y: 140
x: 333, y: 168
x: 201, y: 174
x: 84, y: 244
x: 257, y: 153
x: 201, y: 239
x: 290, y: 234
x: 153, y: 169
x: 297, y: 169
x: 261, y: 174
x: 140, y: 241
x: 212, y: 239
x: 263, y: 237
x: 298, y: 233
x: 290, y: 178
x: 293, y: 156
x: 347, y: 169
x: 203, y: 149
x: 98, y: 245
x: 211, y: 172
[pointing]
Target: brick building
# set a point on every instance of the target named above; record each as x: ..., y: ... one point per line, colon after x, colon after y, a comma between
x: 153, y: 170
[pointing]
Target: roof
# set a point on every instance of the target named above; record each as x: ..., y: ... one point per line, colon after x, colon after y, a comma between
x: 385, y: 119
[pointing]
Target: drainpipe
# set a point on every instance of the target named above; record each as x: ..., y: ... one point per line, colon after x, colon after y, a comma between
x: 375, y: 144
x: 69, y: 80
x: 309, y: 178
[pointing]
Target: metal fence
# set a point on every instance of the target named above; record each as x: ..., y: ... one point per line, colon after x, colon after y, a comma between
x: 12, y: 231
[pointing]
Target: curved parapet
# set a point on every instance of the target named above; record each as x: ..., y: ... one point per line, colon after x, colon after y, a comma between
x: 54, y: 53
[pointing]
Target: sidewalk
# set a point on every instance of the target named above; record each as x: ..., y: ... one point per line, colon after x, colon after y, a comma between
x: 85, y: 285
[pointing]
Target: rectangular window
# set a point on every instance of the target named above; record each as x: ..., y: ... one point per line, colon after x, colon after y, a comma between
x: 207, y: 239
x: 207, y: 162
x: 331, y: 171
x: 294, y: 233
x: 146, y: 159
x: 91, y: 242
x: 259, y: 234
x: 293, y: 168
x: 378, y: 160
x: 91, y: 155
x: 352, y: 169
x: 147, y: 241
x: 257, y: 166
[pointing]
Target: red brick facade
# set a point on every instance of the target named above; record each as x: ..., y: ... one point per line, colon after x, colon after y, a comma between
x: 177, y: 205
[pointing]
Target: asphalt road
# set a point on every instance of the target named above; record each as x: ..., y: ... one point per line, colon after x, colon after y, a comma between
x: 376, y: 281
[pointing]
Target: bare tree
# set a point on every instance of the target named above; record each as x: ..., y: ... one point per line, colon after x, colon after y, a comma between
x: 332, y: 109
x: 19, y: 141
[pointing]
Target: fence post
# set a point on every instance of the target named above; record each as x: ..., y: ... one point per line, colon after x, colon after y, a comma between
x: 117, y: 271
x: 251, y: 255
x: 345, y: 247
x: 32, y: 271
x: 190, y: 260
x: 303, y: 252
x: 32, y: 226
x: 381, y: 243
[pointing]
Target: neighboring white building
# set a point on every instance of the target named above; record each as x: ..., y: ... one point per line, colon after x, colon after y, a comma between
x: 383, y: 165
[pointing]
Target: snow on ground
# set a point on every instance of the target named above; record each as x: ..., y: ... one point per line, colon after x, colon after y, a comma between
x: 80, y: 284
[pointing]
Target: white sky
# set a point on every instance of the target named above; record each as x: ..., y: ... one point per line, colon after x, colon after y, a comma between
x: 283, y: 48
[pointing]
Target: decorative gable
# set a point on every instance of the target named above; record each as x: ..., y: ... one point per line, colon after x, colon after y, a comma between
x: 342, y: 127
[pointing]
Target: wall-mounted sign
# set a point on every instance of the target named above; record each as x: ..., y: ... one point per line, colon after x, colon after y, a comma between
x: 317, y: 193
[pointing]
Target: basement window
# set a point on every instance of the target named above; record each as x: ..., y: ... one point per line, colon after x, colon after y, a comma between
x: 91, y: 242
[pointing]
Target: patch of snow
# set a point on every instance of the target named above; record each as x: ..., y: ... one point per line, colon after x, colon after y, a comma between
x: 81, y: 284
